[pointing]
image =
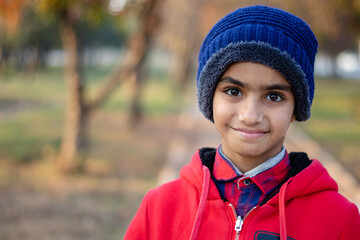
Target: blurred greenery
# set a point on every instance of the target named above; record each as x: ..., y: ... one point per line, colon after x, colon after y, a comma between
x: 32, y: 108
x: 335, y: 120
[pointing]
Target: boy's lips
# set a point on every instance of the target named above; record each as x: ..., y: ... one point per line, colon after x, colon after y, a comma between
x: 250, y: 134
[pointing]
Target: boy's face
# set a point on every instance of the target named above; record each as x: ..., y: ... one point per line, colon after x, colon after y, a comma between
x: 253, y: 107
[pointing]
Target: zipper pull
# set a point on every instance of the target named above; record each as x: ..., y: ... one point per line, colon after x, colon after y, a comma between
x: 238, y: 224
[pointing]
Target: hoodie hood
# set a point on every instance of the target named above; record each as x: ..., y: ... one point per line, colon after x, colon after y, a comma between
x: 308, y: 176
x: 194, y: 172
x: 305, y: 177
x: 312, y: 179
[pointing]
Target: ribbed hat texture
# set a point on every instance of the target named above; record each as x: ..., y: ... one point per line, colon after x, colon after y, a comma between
x: 264, y: 35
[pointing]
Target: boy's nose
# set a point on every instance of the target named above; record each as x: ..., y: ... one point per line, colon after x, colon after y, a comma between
x: 250, y: 111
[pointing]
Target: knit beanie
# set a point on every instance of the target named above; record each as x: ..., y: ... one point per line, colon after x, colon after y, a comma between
x: 259, y: 34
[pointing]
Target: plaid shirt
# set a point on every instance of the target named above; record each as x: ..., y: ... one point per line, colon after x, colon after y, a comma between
x: 245, y: 191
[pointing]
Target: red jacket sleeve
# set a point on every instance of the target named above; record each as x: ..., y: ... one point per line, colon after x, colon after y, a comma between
x: 138, y: 228
x: 352, y: 227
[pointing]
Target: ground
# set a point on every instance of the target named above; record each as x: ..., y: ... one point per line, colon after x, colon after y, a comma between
x: 38, y: 202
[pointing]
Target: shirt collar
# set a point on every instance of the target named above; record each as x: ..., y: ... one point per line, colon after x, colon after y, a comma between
x: 266, y: 176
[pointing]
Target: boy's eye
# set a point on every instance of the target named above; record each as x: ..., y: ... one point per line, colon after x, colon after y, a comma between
x: 274, y: 97
x: 233, y: 92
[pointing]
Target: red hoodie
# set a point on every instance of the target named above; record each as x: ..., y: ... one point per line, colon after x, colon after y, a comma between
x: 307, y: 206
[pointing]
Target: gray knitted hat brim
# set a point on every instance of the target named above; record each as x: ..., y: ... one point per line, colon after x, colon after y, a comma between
x: 257, y: 52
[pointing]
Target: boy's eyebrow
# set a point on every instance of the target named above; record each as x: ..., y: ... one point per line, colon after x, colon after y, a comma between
x: 278, y: 87
x: 228, y: 79
x: 284, y: 87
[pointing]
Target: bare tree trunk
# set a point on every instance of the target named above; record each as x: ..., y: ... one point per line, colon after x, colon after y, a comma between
x: 1, y: 56
x: 140, y: 41
x: 132, y: 66
x: 75, y: 111
x: 188, y: 40
x: 184, y: 66
x: 138, y: 82
x: 358, y: 46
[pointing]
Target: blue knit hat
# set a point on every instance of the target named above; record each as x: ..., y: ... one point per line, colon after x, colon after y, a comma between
x: 259, y: 34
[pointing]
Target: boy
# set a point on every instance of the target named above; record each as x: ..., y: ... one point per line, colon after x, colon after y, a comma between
x: 255, y: 77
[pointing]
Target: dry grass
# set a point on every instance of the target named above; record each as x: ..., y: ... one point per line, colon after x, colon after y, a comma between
x: 38, y: 202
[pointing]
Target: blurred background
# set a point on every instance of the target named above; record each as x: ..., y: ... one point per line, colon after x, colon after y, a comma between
x: 95, y: 95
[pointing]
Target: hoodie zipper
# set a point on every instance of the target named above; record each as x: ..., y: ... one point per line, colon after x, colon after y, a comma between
x: 239, y: 221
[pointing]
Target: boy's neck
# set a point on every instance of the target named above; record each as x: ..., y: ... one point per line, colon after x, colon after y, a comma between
x: 248, y: 166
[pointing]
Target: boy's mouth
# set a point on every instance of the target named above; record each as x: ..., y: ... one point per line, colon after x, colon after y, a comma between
x: 250, y: 134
